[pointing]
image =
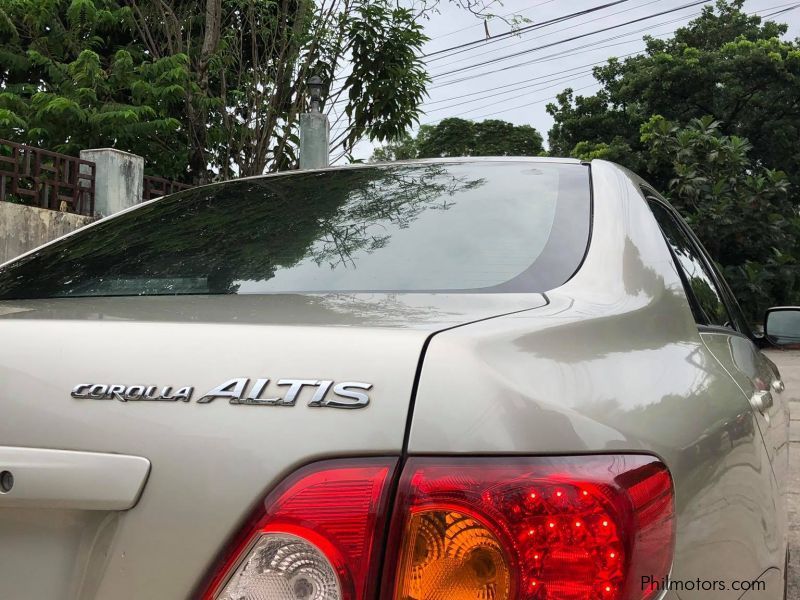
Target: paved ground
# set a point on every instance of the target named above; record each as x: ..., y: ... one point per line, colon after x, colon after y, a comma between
x: 789, y: 364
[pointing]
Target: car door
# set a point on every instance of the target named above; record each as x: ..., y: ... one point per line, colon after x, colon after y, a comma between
x: 727, y: 335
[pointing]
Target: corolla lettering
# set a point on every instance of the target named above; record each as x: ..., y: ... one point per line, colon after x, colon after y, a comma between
x: 263, y: 392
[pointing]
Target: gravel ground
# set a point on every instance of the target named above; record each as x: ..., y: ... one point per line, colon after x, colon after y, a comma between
x: 789, y: 364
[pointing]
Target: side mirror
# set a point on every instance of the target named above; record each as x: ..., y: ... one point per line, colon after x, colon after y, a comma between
x: 782, y: 326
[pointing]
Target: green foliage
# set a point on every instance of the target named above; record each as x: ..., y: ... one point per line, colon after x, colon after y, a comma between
x: 403, y: 149
x: 742, y: 212
x: 725, y: 64
x: 387, y: 83
x: 709, y: 115
x: 618, y: 151
x: 460, y: 137
x: 207, y: 89
x: 68, y: 82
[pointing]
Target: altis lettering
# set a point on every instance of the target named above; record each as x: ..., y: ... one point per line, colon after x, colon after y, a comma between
x: 324, y: 393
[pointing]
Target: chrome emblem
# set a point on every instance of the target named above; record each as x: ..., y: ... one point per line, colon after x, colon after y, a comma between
x: 328, y: 393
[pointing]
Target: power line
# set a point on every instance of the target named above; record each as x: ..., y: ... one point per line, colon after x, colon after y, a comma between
x: 561, y: 74
x: 546, y: 58
x: 455, y: 31
x: 570, y: 51
x: 496, y: 112
x: 500, y: 87
x: 783, y: 10
x: 524, y: 29
x: 532, y: 87
x: 460, y: 60
x: 575, y: 37
x: 790, y: 7
x: 501, y: 36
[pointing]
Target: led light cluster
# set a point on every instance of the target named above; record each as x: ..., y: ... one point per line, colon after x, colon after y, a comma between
x: 522, y: 529
x: 568, y: 540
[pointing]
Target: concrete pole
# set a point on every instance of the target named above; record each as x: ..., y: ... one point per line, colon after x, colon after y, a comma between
x: 314, y: 140
x: 118, y: 179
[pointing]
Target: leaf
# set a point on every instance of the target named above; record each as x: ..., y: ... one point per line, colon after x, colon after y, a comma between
x: 81, y: 13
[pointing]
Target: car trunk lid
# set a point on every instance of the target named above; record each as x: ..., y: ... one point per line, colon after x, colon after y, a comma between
x: 209, y: 461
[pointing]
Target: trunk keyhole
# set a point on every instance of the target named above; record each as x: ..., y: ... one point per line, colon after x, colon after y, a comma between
x: 6, y: 482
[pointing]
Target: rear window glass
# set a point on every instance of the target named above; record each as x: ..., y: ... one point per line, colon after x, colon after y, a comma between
x: 487, y: 226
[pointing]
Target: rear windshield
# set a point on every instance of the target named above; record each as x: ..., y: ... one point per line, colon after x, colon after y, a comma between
x: 457, y: 227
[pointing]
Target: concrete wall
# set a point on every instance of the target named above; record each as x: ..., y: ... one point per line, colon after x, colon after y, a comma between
x: 118, y: 179
x: 23, y: 228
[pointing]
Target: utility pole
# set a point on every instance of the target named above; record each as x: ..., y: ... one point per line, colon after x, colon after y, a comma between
x: 314, y: 130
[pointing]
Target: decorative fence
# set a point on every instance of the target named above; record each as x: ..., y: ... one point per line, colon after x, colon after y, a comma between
x: 155, y: 187
x: 46, y: 179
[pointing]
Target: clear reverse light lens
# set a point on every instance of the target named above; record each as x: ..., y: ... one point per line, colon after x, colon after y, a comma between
x: 283, y: 567
x: 316, y: 536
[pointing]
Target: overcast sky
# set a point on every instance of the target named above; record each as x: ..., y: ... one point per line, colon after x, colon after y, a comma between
x: 517, y: 88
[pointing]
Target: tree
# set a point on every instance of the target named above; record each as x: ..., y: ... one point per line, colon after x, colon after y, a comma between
x: 725, y: 64
x: 204, y: 93
x: 71, y: 78
x: 460, y: 137
x: 742, y: 212
x: 712, y: 117
x: 403, y: 149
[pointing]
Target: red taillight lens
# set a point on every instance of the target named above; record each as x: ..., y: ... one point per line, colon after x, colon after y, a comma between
x: 316, y: 536
x: 557, y: 528
x: 582, y: 528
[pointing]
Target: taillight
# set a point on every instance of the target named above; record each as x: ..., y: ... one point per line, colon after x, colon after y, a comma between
x: 544, y: 528
x: 579, y: 528
x: 316, y: 537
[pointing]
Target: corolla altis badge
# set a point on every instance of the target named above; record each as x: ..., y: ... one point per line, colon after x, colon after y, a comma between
x: 328, y: 394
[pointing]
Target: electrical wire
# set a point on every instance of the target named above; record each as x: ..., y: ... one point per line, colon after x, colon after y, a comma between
x: 496, y: 112
x: 461, y: 60
x: 500, y: 87
x: 547, y: 58
x: 511, y: 14
x: 552, y: 85
x: 532, y: 27
x: 532, y: 87
x: 782, y: 11
x: 568, y: 52
x: 542, y: 79
x: 790, y: 7
x: 575, y: 37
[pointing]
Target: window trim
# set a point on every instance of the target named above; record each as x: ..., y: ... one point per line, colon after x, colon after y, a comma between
x: 725, y: 295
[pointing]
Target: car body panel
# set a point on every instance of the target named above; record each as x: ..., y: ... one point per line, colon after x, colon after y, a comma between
x: 610, y: 362
x: 210, y: 462
x: 615, y: 362
x: 755, y: 373
x: 421, y: 312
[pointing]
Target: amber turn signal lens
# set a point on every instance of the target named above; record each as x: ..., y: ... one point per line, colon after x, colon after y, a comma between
x: 451, y: 555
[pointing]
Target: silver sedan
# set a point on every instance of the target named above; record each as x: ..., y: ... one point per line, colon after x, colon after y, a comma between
x: 467, y: 379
